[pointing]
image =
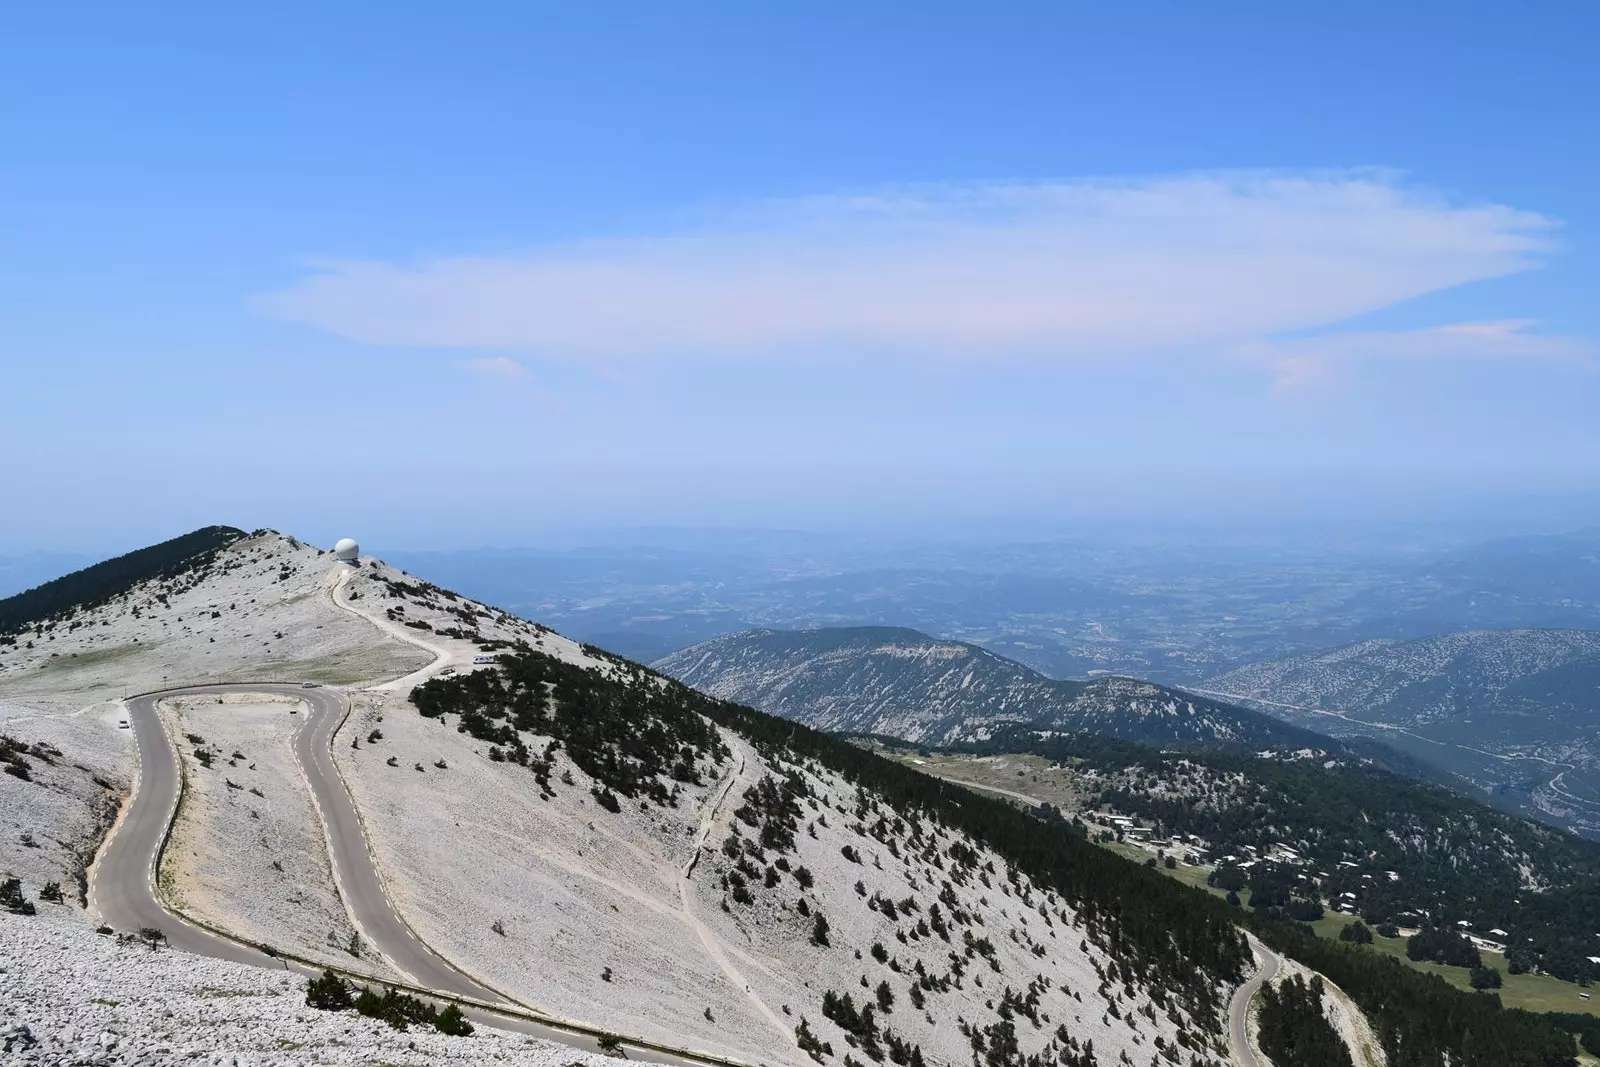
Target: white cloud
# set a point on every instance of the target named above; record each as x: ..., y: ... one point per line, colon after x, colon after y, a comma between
x: 496, y: 367
x: 1312, y: 363
x: 1052, y: 270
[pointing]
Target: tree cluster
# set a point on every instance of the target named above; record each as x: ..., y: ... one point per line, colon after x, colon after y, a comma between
x: 330, y: 992
x: 630, y: 734
x: 1294, y: 1029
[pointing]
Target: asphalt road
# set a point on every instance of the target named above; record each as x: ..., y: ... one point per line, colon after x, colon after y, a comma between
x: 123, y: 883
x: 353, y: 866
x: 1239, y: 1009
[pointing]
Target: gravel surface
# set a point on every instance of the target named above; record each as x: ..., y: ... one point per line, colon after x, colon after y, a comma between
x: 78, y: 768
x: 70, y: 996
x: 575, y: 889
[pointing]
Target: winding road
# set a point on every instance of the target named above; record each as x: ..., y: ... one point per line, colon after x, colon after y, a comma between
x: 1239, y: 1008
x: 123, y: 880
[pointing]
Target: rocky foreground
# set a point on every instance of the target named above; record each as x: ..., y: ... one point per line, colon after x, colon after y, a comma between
x: 71, y: 996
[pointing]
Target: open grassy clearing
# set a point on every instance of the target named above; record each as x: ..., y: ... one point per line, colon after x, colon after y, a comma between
x: 1031, y: 776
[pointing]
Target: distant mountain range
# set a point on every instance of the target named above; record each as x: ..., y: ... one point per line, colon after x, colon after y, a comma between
x: 903, y: 683
x: 1516, y: 712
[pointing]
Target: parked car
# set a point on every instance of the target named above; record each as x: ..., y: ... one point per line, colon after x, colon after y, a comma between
x: 483, y: 659
x: 122, y: 724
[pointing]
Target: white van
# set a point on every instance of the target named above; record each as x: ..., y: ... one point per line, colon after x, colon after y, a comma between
x: 485, y: 658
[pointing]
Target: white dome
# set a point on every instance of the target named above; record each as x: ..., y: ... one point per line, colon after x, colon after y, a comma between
x: 346, y: 549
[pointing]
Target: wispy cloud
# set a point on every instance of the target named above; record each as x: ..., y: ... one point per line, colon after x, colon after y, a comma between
x: 1063, y: 270
x: 1309, y: 364
x: 496, y: 367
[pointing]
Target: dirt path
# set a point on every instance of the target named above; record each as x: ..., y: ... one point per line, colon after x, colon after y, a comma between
x: 708, y: 938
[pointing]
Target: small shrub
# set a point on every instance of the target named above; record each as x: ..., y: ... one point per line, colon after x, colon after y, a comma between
x: 329, y: 993
x: 12, y: 900
x: 452, y: 1022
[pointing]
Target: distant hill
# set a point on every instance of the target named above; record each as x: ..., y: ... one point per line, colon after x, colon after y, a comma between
x: 902, y: 683
x: 1515, y: 711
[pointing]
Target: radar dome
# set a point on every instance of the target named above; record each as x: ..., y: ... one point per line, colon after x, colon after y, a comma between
x: 346, y: 550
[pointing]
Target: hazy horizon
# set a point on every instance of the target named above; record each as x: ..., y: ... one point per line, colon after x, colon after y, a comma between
x: 496, y: 275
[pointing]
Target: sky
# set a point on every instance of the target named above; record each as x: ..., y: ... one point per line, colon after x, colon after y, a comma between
x: 470, y: 274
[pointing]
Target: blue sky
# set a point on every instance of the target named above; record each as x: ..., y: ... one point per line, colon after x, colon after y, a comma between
x: 451, y: 275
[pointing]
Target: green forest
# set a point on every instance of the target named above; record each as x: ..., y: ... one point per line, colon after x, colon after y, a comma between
x: 1408, y: 853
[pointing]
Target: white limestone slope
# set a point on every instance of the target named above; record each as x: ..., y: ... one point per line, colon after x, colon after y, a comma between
x: 52, y: 821
x: 68, y: 995
x: 266, y: 608
x: 259, y: 611
x: 577, y: 891
x: 574, y: 889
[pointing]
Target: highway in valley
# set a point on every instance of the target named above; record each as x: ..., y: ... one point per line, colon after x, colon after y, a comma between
x: 123, y: 881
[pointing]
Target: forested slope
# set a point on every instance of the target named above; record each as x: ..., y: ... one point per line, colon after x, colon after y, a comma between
x: 1176, y: 944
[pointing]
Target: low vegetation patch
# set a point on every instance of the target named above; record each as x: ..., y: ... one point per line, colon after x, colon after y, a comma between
x: 330, y: 992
